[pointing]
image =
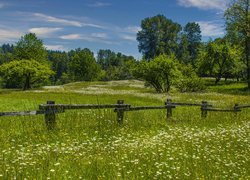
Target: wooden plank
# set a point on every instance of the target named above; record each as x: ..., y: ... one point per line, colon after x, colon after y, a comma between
x: 221, y: 110
x: 189, y: 104
x: 147, y: 108
x: 82, y: 106
x: 22, y: 113
x: 242, y: 106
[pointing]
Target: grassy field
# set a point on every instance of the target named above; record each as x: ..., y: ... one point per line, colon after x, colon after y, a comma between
x: 88, y: 144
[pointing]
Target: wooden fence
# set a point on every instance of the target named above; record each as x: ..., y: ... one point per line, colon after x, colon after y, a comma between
x: 51, y: 109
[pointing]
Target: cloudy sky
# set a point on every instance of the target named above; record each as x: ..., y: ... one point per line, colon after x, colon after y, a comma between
x: 101, y: 24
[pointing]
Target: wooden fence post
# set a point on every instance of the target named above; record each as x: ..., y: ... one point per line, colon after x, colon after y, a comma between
x: 50, y: 116
x: 120, y: 112
x: 204, y: 109
x: 236, y: 109
x: 169, y: 108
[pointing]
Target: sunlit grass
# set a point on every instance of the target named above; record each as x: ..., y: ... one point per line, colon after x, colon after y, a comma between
x: 88, y: 144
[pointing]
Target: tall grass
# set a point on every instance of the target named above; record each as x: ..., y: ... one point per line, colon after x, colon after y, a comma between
x: 88, y: 144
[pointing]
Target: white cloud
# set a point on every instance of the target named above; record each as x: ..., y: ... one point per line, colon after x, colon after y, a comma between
x: 58, y: 20
x: 132, y: 29
x: 128, y: 37
x: 8, y: 35
x: 44, y: 31
x: 93, y: 37
x: 71, y: 37
x: 211, y: 29
x: 56, y: 47
x: 99, y: 35
x: 66, y: 22
x: 99, y: 4
x: 205, y: 4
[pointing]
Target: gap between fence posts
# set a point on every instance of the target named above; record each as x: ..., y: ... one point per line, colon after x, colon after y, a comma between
x: 50, y: 116
x: 204, y: 106
x: 120, y: 112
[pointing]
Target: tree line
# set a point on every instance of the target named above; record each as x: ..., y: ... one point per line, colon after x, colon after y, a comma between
x: 28, y: 64
x: 172, y: 56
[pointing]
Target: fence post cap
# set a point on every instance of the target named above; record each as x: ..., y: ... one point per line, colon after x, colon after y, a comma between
x: 50, y: 102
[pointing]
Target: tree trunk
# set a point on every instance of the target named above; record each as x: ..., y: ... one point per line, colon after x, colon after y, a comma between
x: 27, y: 82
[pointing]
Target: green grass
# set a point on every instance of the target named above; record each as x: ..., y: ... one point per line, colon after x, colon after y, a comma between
x: 88, y: 144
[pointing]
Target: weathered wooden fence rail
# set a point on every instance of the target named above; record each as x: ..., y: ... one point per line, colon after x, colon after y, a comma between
x: 51, y: 109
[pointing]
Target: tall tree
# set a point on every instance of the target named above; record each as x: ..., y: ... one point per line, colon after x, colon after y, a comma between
x: 158, y: 35
x: 107, y: 58
x: 193, y: 33
x: 238, y: 28
x: 183, y: 51
x: 82, y: 65
x: 59, y: 63
x: 30, y: 47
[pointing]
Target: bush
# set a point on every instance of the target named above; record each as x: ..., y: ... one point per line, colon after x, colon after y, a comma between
x: 189, y: 82
x: 161, y: 72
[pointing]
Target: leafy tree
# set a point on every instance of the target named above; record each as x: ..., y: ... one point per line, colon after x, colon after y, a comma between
x: 158, y: 36
x: 238, y: 28
x: 59, y: 63
x: 117, y: 66
x: 24, y: 73
x: 161, y: 73
x: 218, y: 59
x: 7, y: 48
x: 5, y: 57
x: 107, y: 58
x: 82, y: 65
x: 193, y: 35
x: 30, y: 47
x: 183, y: 53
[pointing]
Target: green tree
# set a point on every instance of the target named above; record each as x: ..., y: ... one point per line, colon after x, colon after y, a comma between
x: 117, y: 66
x: 158, y: 35
x: 107, y: 58
x: 59, y: 64
x: 183, y: 51
x: 30, y: 47
x: 24, y: 73
x: 161, y: 72
x: 193, y: 35
x: 219, y: 58
x: 82, y: 65
x: 238, y: 28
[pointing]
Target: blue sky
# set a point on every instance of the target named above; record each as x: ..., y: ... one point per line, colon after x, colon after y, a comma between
x: 101, y: 24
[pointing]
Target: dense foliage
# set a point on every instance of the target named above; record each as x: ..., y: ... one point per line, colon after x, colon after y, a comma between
x: 24, y: 73
x: 173, y: 50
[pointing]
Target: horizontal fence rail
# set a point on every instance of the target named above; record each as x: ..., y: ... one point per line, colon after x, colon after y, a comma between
x: 21, y: 113
x: 51, y: 109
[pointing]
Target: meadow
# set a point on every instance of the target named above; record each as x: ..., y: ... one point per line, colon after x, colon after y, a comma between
x: 88, y: 144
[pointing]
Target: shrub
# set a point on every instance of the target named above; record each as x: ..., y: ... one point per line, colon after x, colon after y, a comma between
x: 189, y: 82
x: 161, y: 72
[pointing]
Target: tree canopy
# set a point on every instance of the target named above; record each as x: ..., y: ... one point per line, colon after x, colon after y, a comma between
x: 30, y: 47
x: 158, y: 36
x: 237, y: 18
x: 24, y: 73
